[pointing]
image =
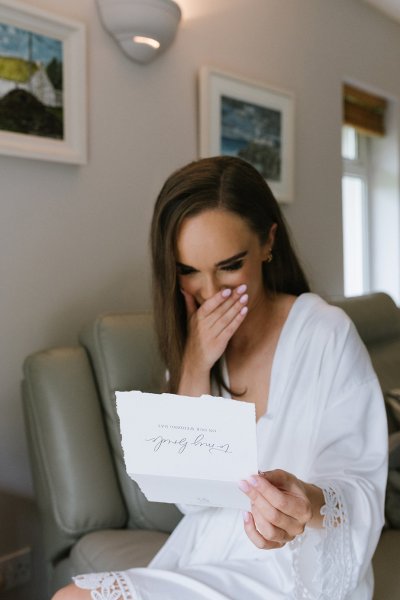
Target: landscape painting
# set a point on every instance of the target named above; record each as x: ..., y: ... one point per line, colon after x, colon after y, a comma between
x: 251, y: 120
x: 31, y: 83
x: 253, y: 133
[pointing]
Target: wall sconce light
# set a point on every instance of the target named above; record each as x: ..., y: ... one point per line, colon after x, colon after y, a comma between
x: 143, y: 28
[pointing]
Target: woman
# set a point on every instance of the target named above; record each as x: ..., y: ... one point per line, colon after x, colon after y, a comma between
x: 234, y: 316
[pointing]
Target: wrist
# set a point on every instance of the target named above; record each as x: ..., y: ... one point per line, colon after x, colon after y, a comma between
x: 192, y: 369
x: 194, y: 381
x: 196, y: 359
x: 316, y: 498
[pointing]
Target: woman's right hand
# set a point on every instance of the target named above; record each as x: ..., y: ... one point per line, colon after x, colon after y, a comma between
x: 211, y: 326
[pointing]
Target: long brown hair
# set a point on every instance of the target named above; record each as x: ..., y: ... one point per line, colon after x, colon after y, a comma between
x: 221, y: 182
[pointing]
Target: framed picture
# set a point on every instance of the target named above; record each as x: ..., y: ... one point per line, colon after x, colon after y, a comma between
x: 42, y: 84
x: 245, y: 118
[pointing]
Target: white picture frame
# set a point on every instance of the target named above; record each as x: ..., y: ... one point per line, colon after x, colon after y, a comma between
x: 247, y: 118
x: 61, y: 124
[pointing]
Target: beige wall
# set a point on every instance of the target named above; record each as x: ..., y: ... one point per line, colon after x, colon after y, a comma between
x: 73, y: 240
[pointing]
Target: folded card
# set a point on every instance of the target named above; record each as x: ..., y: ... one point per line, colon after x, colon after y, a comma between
x: 187, y: 450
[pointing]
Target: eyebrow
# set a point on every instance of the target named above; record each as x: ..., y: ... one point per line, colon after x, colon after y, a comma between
x: 231, y: 259
x: 221, y: 263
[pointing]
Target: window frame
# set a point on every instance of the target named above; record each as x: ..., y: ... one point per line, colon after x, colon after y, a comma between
x: 358, y: 167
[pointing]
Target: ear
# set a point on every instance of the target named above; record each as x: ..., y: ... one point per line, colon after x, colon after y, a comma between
x: 270, y: 241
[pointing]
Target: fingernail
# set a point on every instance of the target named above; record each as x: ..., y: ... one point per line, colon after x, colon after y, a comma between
x: 253, y: 481
x: 241, y: 289
x: 226, y: 292
x: 244, y: 486
x: 244, y: 311
x: 246, y: 516
x: 244, y: 298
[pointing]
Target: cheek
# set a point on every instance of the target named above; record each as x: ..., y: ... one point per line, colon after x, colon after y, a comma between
x: 187, y: 284
x: 234, y: 278
x: 253, y: 277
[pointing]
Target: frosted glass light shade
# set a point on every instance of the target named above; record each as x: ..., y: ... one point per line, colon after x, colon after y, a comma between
x: 138, y: 24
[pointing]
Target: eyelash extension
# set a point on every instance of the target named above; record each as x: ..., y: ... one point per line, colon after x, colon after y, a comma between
x: 185, y: 270
x: 182, y: 270
x: 234, y: 266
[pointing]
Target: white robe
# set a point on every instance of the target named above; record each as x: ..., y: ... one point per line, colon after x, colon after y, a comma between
x: 326, y: 424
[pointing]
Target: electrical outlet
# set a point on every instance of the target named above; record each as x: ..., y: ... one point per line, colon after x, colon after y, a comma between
x: 15, y: 569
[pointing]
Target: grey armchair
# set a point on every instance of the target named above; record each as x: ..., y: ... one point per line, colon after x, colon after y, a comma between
x: 94, y: 517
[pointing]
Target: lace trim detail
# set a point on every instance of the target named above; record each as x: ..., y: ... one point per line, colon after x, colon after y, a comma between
x: 105, y: 586
x: 333, y: 576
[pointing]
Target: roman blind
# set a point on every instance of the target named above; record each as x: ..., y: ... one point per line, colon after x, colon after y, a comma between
x: 364, y: 111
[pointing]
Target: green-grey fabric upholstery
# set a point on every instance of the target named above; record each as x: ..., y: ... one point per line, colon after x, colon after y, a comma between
x: 81, y: 485
x: 116, y: 550
x: 75, y: 481
x: 124, y: 355
x: 94, y: 517
x: 377, y: 319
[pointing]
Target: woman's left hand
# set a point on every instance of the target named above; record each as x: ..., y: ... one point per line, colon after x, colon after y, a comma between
x: 281, y: 507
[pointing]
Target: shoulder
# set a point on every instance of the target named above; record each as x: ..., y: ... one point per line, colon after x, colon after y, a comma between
x: 328, y: 332
x: 315, y: 313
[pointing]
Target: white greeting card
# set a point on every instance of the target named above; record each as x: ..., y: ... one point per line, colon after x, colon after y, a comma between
x: 187, y: 450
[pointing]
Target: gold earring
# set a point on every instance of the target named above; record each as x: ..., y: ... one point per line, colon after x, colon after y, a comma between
x: 269, y: 257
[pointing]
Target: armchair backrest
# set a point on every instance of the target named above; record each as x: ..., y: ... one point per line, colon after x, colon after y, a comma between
x: 377, y: 319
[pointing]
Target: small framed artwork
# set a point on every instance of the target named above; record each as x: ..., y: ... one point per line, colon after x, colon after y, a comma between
x: 42, y: 84
x: 245, y: 118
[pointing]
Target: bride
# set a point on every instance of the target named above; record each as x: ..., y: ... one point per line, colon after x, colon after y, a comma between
x: 235, y: 317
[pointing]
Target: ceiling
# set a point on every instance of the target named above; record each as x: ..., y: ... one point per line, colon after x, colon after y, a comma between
x: 390, y: 8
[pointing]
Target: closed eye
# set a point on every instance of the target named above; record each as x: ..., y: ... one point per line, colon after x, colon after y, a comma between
x: 184, y: 270
x: 233, y: 266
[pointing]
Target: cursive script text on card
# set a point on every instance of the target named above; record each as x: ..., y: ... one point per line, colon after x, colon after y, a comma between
x: 182, y: 444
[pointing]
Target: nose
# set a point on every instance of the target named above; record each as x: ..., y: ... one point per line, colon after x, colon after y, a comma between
x: 209, y: 288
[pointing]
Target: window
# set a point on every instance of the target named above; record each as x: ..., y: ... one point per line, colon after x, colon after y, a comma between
x: 370, y: 193
x: 355, y: 212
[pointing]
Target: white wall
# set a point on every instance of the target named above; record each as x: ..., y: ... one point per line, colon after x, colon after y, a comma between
x: 73, y: 240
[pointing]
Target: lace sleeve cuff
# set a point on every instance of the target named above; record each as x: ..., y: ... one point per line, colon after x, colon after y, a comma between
x: 105, y: 586
x: 322, y: 558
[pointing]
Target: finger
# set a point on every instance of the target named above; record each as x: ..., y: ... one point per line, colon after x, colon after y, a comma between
x: 190, y: 303
x: 230, y: 329
x: 268, y: 514
x: 293, y: 488
x: 285, y: 532
x: 255, y: 536
x: 224, y: 314
x: 226, y: 319
x: 295, y: 506
x: 220, y: 302
x: 282, y: 480
x: 210, y: 305
x: 271, y: 522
